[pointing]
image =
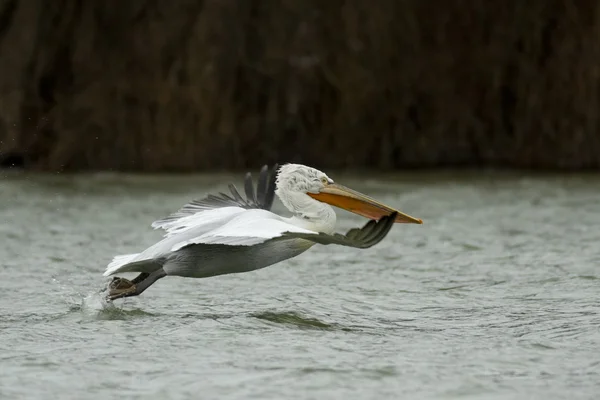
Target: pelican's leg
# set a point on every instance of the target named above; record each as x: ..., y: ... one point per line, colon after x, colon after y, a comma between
x: 121, y: 287
x: 140, y: 277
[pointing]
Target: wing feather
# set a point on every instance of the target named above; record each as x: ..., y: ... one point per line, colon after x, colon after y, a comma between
x: 203, y: 221
x: 236, y: 195
x: 269, y: 193
x: 262, y: 198
x: 369, y: 235
x: 261, y: 186
x: 258, y: 226
x: 249, y: 188
x: 249, y: 228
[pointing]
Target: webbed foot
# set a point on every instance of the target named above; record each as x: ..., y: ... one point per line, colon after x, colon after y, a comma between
x: 120, y: 287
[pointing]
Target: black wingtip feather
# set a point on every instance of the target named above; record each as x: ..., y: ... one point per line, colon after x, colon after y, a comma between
x: 385, y: 225
x: 366, y: 231
x: 261, y: 186
x: 236, y: 194
x: 369, y: 235
x: 374, y: 232
x: 272, y: 185
x: 249, y: 188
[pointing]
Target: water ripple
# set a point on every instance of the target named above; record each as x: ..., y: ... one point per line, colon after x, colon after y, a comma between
x: 495, y: 296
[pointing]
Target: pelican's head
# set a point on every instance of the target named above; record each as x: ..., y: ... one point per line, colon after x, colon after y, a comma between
x: 300, y: 179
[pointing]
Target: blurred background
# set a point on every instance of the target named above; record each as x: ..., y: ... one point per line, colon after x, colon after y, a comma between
x: 194, y: 85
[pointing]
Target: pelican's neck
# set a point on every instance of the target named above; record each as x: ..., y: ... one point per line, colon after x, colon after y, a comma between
x: 308, y: 213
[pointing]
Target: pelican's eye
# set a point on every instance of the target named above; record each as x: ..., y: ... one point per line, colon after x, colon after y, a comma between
x: 324, y: 181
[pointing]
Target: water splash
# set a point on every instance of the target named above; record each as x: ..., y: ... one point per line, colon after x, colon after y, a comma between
x: 96, y: 302
x: 94, y: 306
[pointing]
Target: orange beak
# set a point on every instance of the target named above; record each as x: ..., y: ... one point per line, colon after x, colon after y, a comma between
x: 358, y: 203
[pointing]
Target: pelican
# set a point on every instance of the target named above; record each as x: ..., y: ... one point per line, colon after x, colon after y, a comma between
x: 226, y: 234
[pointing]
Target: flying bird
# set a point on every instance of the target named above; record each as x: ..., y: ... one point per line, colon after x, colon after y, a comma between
x: 225, y: 234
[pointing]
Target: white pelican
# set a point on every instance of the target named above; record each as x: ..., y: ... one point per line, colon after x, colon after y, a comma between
x: 229, y: 234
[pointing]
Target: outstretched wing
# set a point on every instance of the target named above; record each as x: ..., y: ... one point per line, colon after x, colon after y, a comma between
x: 261, y: 198
x: 258, y: 226
x: 248, y: 228
x: 369, y: 235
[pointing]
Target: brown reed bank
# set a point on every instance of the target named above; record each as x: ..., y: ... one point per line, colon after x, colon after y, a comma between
x: 184, y: 85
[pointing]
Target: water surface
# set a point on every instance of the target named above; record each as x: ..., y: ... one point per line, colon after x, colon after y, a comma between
x: 495, y: 296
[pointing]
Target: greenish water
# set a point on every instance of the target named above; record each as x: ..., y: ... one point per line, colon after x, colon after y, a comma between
x: 496, y: 296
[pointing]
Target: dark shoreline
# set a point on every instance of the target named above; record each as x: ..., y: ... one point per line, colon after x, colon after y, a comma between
x: 204, y: 86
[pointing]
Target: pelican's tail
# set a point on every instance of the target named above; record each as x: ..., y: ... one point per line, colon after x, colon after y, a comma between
x: 118, y: 262
x: 131, y: 263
